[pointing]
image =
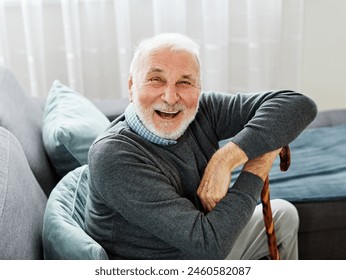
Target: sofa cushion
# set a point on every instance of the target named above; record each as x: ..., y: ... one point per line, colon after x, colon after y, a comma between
x: 71, y: 123
x: 63, y: 230
x: 22, y: 116
x: 22, y: 203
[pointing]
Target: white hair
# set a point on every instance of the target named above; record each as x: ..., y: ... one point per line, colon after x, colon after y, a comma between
x: 175, y: 42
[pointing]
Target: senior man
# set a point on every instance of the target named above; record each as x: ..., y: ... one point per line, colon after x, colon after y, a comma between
x: 160, y: 183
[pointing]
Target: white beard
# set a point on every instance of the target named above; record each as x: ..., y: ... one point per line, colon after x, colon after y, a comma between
x: 145, y: 116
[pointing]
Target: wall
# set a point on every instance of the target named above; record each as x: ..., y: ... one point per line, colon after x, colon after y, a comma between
x: 324, y: 53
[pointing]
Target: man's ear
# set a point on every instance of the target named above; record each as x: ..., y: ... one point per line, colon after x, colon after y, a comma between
x: 130, y: 84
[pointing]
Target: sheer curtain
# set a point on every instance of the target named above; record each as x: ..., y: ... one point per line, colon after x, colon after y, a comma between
x: 246, y: 45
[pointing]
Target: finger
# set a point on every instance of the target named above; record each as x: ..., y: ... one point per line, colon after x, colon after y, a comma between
x: 208, y: 206
x: 205, y: 205
x: 204, y: 200
x: 211, y: 205
x: 201, y: 191
x: 209, y: 202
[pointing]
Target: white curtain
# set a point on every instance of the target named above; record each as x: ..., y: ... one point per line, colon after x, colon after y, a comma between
x: 246, y: 45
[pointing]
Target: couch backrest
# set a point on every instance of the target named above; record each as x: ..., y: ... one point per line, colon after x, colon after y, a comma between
x: 329, y: 118
x: 22, y: 116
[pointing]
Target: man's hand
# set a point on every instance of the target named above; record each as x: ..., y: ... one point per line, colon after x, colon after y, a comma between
x: 217, y: 175
x: 262, y: 165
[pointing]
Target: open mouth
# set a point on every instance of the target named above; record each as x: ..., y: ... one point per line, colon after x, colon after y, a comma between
x: 167, y: 115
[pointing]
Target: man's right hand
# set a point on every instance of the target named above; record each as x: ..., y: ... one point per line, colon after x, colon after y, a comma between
x: 261, y: 165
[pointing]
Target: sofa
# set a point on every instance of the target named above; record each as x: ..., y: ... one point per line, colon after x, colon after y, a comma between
x: 30, y: 172
x: 317, y: 186
x: 27, y: 175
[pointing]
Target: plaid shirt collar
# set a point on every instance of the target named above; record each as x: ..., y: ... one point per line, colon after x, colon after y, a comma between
x: 137, y: 126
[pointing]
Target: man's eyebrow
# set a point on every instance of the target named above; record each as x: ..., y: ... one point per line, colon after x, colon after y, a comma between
x: 189, y: 77
x: 184, y: 76
x: 155, y: 70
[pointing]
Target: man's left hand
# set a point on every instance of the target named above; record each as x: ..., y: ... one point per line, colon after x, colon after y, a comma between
x: 217, y: 175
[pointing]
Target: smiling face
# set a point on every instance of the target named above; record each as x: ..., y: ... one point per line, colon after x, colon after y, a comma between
x: 165, y: 91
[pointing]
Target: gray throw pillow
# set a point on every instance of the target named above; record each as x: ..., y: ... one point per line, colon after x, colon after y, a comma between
x: 22, y: 203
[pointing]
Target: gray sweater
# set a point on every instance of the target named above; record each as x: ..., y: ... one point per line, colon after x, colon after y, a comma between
x: 143, y: 202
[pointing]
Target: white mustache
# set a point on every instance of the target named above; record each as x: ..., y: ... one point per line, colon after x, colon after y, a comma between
x: 168, y: 108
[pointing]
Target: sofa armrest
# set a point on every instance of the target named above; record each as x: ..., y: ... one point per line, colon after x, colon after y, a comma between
x: 22, y: 203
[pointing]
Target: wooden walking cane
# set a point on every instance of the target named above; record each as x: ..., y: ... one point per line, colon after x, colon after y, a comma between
x: 285, y: 162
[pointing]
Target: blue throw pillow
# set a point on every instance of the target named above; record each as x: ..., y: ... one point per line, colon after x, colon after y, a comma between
x: 70, y: 125
x: 63, y: 232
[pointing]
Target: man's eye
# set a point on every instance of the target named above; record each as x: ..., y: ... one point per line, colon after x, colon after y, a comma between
x: 184, y: 84
x: 155, y: 80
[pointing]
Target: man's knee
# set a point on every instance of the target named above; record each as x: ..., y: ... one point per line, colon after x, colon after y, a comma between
x: 285, y: 213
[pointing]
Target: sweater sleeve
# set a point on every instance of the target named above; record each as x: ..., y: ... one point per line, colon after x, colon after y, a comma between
x: 260, y: 122
x: 129, y: 182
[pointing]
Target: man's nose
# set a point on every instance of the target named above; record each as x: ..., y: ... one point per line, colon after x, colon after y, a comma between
x: 170, y: 95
